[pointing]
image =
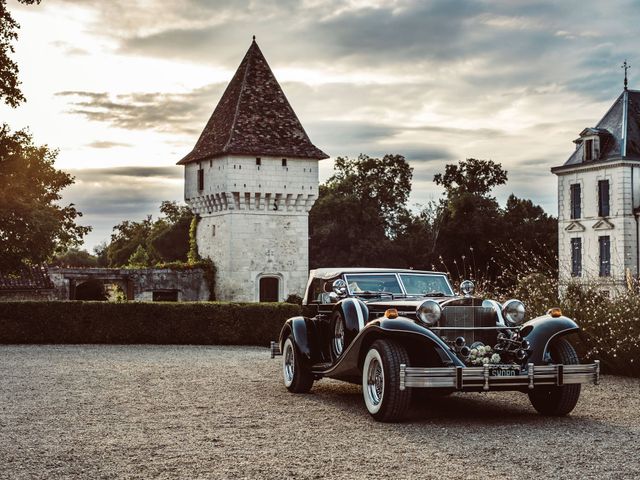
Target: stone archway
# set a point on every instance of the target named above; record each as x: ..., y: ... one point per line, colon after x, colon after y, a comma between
x: 91, y: 289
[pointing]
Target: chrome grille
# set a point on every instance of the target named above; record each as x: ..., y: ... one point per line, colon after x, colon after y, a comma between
x: 468, y: 319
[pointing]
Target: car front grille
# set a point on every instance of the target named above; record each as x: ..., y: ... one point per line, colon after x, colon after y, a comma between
x: 458, y: 321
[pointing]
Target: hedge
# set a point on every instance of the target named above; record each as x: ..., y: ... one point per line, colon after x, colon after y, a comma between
x: 201, y: 323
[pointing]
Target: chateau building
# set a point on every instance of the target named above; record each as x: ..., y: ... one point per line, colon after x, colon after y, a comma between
x: 252, y: 178
x: 599, y: 200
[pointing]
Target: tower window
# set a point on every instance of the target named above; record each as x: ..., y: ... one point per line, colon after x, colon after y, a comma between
x: 258, y: 161
x: 605, y: 256
x: 284, y: 162
x: 200, y: 179
x: 213, y: 230
x: 576, y: 257
x: 239, y: 167
x: 603, y: 198
x: 575, y: 200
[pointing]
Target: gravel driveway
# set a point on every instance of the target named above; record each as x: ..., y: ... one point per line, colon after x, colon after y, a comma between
x: 222, y: 412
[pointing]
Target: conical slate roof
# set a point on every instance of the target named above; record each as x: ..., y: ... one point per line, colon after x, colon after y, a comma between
x: 253, y: 117
x: 619, y: 131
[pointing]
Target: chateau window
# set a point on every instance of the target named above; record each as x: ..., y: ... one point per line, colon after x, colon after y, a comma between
x: 213, y: 230
x: 258, y: 161
x: 200, y: 179
x: 576, y: 257
x: 588, y: 150
x: 284, y: 162
x: 603, y: 198
x: 575, y: 200
x: 605, y: 256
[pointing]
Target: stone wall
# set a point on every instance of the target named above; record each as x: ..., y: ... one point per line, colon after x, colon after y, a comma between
x: 138, y: 284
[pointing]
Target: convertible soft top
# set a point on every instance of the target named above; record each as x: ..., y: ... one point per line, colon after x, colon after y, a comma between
x: 329, y: 273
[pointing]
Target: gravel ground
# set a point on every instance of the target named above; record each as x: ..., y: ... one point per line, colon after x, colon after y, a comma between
x: 222, y: 412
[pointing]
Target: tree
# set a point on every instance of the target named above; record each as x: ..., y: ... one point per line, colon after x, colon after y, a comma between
x: 471, y: 176
x: 9, y: 84
x: 383, y: 182
x: 164, y: 240
x: 359, y: 212
x: 75, y: 257
x: 32, y: 223
x: 139, y: 258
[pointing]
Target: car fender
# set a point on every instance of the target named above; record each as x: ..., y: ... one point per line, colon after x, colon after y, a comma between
x: 304, y: 339
x: 355, y: 314
x: 541, y: 331
x: 400, y: 329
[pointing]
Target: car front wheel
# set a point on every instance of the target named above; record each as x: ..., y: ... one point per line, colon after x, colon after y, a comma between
x: 557, y: 401
x: 297, y: 379
x: 381, y: 381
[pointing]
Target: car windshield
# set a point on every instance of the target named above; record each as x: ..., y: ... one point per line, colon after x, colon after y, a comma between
x: 374, y: 283
x: 422, y: 284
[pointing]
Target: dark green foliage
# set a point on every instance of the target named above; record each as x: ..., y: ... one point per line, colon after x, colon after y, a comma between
x: 136, y: 322
x: 164, y: 240
x: 75, y: 257
x: 193, y: 256
x: 360, y: 209
x: 471, y: 176
x: 361, y: 219
x: 32, y: 223
x: 9, y: 84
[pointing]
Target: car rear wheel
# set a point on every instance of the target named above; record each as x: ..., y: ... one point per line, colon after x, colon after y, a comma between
x: 557, y: 401
x: 381, y: 381
x: 297, y: 379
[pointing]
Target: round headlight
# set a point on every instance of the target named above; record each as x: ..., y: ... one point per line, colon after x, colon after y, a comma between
x: 468, y: 287
x: 513, y: 312
x: 429, y: 312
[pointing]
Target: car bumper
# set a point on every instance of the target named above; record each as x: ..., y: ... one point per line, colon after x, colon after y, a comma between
x: 480, y: 378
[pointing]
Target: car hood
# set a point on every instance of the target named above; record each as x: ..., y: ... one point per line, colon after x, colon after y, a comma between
x: 406, y: 304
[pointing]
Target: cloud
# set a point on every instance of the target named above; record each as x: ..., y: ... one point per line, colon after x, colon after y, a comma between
x: 165, y: 112
x: 107, y: 196
x: 107, y: 144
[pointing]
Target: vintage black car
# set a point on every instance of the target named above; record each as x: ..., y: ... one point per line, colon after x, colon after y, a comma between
x: 394, y: 330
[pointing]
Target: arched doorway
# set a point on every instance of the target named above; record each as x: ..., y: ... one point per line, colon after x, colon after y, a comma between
x: 91, y: 290
x: 269, y: 289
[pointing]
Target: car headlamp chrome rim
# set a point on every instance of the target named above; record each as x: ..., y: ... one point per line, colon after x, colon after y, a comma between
x: 467, y: 287
x: 513, y: 312
x: 429, y: 312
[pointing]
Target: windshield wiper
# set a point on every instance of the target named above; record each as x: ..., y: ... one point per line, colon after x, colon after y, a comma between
x: 434, y: 294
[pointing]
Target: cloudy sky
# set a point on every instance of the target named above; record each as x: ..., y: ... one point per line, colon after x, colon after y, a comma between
x: 123, y: 87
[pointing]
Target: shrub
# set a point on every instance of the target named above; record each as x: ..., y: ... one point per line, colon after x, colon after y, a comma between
x: 203, y: 323
x: 610, y: 326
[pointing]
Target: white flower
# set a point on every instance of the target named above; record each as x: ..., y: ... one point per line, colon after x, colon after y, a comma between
x: 485, y: 360
x: 481, y: 350
x: 495, y: 358
x: 487, y: 349
x: 474, y: 352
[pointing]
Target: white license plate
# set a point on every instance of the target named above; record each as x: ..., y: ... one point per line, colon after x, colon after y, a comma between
x: 504, y: 371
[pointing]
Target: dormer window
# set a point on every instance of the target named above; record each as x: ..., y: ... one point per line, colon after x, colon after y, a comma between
x: 588, y: 150
x: 591, y: 140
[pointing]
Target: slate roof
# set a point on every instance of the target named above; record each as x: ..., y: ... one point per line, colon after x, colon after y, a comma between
x: 253, y: 117
x: 34, y: 278
x: 619, y: 132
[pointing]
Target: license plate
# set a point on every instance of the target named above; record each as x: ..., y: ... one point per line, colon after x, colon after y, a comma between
x: 504, y: 371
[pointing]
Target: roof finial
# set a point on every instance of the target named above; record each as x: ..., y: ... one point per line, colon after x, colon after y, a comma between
x: 626, y: 67
x: 254, y: 39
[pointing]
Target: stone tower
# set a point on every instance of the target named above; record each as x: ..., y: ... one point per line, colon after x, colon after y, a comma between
x: 599, y: 200
x: 252, y: 177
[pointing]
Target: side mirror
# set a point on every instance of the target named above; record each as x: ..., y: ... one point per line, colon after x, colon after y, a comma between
x: 339, y: 287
